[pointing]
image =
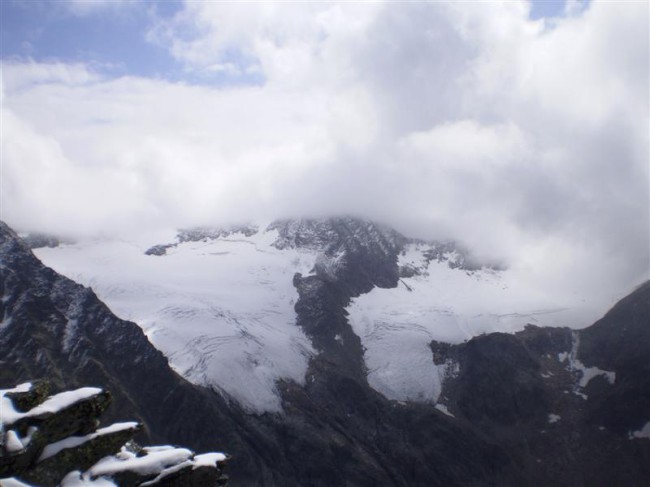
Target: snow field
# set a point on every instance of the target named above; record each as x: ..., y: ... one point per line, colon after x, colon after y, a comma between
x: 449, y: 305
x: 222, y: 310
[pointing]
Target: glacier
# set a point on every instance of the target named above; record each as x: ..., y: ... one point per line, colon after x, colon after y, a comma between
x: 443, y: 301
x: 221, y: 308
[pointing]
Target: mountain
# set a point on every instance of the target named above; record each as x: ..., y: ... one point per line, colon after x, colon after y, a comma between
x: 337, y: 352
x: 57, y: 329
x: 222, y: 304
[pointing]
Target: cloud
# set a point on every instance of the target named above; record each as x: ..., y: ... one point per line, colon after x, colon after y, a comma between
x: 83, y: 8
x: 527, y: 140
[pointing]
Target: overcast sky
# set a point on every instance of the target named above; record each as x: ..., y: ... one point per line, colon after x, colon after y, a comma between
x: 520, y: 129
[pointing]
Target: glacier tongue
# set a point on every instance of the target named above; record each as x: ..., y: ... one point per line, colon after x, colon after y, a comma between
x: 443, y: 302
x: 221, y: 310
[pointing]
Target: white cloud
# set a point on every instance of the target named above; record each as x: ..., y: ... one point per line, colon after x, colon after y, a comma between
x: 529, y: 141
x: 83, y: 8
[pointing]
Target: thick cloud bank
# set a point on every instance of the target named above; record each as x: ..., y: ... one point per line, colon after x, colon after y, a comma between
x: 527, y: 140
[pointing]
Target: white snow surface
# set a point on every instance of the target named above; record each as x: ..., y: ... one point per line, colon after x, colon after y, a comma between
x: 444, y: 409
x: 12, y: 482
x: 158, y: 461
x: 154, y: 462
x: 74, y: 441
x: 448, y: 305
x: 221, y: 310
x: 53, y: 404
x: 208, y: 459
x: 586, y: 374
x: 13, y: 442
x: 77, y: 479
x: 642, y: 433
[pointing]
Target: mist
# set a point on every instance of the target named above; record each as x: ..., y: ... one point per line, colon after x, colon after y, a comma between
x: 526, y: 140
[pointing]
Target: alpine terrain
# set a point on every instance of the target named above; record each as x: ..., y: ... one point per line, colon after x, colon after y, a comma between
x: 336, y: 351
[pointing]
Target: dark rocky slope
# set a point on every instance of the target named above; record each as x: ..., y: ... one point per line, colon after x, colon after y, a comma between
x: 565, y: 404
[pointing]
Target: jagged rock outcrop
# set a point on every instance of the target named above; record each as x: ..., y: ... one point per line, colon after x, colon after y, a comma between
x: 202, y: 234
x: 50, y: 441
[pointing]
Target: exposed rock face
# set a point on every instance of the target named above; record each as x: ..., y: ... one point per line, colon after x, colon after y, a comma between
x: 55, y: 441
x: 565, y: 404
x: 202, y: 233
x: 504, y: 417
x: 620, y: 342
x: 355, y: 257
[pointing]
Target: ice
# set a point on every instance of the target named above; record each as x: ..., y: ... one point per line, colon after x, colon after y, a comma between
x: 444, y: 304
x: 221, y: 310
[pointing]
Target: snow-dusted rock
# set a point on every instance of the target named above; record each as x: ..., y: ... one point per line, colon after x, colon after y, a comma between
x: 55, y: 442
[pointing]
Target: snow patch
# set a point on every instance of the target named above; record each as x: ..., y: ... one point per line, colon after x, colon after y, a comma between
x: 12, y: 442
x: 158, y: 461
x: 154, y: 462
x: 554, y: 418
x: 77, y: 479
x: 53, y: 404
x: 208, y: 459
x: 329, y: 266
x: 74, y: 441
x: 586, y: 373
x: 12, y: 482
x: 444, y: 409
x: 642, y: 433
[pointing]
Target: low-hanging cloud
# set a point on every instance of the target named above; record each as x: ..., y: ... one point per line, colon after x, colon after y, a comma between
x: 527, y: 140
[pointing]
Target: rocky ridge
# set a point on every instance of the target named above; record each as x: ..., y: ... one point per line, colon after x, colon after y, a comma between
x: 55, y: 440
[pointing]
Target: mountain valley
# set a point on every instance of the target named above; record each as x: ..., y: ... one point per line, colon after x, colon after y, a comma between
x: 337, y: 352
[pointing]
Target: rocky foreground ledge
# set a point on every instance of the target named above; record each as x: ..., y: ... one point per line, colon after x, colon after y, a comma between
x: 54, y: 440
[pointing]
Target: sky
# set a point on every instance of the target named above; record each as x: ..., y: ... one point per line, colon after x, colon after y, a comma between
x: 518, y: 128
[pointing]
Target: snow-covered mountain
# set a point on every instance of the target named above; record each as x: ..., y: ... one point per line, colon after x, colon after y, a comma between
x: 542, y: 406
x: 220, y: 302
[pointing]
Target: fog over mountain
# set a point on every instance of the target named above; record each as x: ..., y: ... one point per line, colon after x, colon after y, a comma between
x: 527, y: 140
